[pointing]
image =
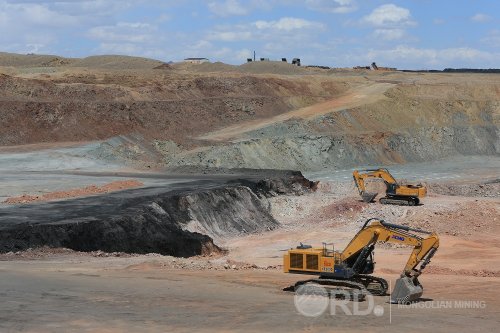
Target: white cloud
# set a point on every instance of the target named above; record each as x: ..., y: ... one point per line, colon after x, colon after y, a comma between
x: 492, y: 39
x: 131, y: 38
x: 120, y: 48
x: 42, y: 26
x: 463, y: 53
x: 288, y: 24
x: 244, y: 54
x: 130, y: 32
x: 333, y: 6
x: 389, y: 15
x: 77, y: 8
x: 276, y: 38
x: 201, y: 44
x: 285, y: 30
x: 480, y: 18
x: 230, y: 36
x: 389, y: 22
x: 31, y: 27
x: 33, y: 14
x: 228, y: 8
x: 449, y: 57
x: 389, y: 34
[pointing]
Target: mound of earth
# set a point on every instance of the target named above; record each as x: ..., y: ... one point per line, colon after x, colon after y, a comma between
x: 117, y: 62
x: 206, y: 67
x: 31, y: 60
x: 182, y: 222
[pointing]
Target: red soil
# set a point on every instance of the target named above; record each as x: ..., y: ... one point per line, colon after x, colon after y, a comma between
x: 77, y: 192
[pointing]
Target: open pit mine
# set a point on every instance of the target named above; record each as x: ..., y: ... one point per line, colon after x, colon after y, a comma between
x: 142, y: 196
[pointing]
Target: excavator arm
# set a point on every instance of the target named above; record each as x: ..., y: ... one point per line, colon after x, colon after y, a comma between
x: 384, y: 174
x: 380, y: 231
x: 376, y: 173
x: 407, y: 287
x: 359, y: 180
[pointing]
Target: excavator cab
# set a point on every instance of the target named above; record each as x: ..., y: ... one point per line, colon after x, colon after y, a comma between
x: 391, y: 189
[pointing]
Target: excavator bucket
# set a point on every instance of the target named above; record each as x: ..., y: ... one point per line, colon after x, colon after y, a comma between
x: 368, y: 197
x: 406, y: 290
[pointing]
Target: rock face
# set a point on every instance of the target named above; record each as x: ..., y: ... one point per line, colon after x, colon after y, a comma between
x: 316, y: 152
x: 94, y: 106
x: 143, y: 233
x: 164, y: 116
x: 225, y: 212
x: 413, y: 124
x: 181, y: 222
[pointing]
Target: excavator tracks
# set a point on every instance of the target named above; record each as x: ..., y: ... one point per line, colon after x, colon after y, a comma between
x: 375, y: 285
x: 338, y: 288
x: 399, y: 201
x: 356, y: 288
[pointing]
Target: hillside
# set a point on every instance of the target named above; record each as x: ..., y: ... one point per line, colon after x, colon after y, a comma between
x: 257, y: 115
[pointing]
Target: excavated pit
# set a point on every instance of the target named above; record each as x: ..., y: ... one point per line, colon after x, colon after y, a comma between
x: 183, y: 221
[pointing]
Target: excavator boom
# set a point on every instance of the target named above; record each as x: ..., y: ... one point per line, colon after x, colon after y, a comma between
x: 380, y: 231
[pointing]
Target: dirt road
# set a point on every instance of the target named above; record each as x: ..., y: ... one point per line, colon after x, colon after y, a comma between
x: 365, y: 94
x: 84, y: 294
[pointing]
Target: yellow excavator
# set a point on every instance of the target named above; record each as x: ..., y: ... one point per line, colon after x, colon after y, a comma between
x: 349, y: 270
x: 395, y: 193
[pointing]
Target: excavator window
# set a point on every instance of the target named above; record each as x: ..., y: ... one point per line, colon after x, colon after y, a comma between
x: 391, y: 188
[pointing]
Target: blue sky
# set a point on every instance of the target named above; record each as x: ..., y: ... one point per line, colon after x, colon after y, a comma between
x: 413, y: 34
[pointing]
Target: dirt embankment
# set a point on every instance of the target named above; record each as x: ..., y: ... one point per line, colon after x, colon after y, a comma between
x: 182, y: 222
x: 413, y: 123
x: 90, y: 106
